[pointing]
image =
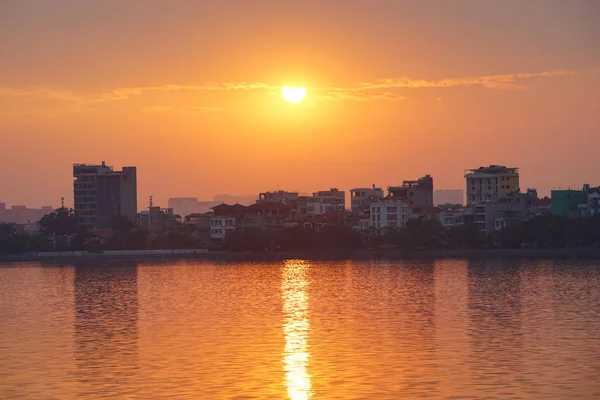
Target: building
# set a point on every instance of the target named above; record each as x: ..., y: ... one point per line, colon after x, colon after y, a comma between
x: 508, y: 209
x: 448, y: 196
x: 23, y: 215
x: 268, y: 214
x: 224, y: 219
x: 486, y: 184
x: 157, y: 219
x: 593, y: 203
x: 190, y: 205
x: 418, y: 192
x: 100, y: 194
x: 540, y: 207
x: 324, y: 200
x: 451, y: 215
x: 592, y: 206
x: 389, y: 212
x: 565, y: 203
x: 420, y: 213
x: 199, y: 221
x: 279, y: 196
x: 361, y: 199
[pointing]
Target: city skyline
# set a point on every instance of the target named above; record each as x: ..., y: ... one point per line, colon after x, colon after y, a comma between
x: 189, y: 93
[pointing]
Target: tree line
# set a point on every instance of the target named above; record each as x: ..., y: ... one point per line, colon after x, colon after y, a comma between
x: 540, y: 232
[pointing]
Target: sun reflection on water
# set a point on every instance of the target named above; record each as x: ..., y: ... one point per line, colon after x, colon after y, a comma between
x: 296, y: 327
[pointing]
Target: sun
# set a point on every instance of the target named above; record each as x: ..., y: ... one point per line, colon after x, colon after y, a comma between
x: 293, y: 94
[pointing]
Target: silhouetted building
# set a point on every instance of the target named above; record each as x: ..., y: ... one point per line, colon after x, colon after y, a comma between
x: 190, y: 205
x: 418, y: 193
x: 101, y: 194
x: 22, y: 214
x: 158, y: 219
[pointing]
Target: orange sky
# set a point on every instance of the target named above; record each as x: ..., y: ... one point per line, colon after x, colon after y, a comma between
x: 189, y: 93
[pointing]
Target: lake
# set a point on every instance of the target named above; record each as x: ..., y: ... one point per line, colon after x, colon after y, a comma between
x: 298, y: 329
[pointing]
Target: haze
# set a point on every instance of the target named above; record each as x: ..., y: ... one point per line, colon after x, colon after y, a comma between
x: 189, y: 92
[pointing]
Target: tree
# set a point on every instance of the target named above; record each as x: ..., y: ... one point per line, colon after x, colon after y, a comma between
x: 13, y: 242
x: 60, y: 222
x: 121, y: 223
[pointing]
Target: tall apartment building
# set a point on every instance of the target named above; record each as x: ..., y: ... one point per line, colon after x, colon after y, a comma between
x: 100, y: 194
x: 418, y: 193
x: 361, y: 199
x: 486, y: 184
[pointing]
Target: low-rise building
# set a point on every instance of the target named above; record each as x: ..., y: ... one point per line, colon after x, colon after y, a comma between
x: 157, y: 219
x: 279, y: 196
x: 389, y: 212
x: 224, y: 219
x: 592, y: 206
x: 324, y: 200
x: 417, y: 192
x: 361, y: 199
x: 593, y: 203
x: 198, y: 220
x: 424, y: 213
x: 509, y: 209
x: 565, y: 203
x: 540, y: 207
x: 451, y: 216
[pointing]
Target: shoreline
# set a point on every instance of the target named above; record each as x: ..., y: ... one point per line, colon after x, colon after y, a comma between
x: 201, y: 254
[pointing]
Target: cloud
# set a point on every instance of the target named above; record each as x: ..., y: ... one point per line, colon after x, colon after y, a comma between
x: 338, y: 94
x: 506, y: 81
x: 185, y: 110
x: 377, y: 90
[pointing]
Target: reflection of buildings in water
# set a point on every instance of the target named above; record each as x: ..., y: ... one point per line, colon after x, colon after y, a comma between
x: 106, y: 335
x: 296, y: 328
x: 410, y: 325
x: 495, y: 330
x: 452, y: 326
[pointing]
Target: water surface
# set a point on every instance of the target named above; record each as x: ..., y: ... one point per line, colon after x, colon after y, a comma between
x: 300, y: 329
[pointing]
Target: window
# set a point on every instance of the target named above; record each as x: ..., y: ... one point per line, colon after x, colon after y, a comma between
x: 378, y: 217
x: 392, y: 209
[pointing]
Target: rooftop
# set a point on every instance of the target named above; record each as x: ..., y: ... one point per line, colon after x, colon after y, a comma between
x: 493, y: 169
